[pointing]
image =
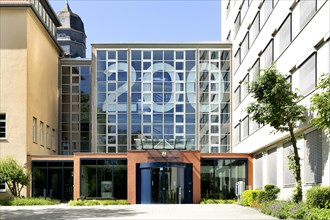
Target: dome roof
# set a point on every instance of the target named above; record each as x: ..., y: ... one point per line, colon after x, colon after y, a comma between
x: 70, y: 19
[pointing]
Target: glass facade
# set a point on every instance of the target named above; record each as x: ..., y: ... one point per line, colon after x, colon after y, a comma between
x: 52, y: 179
x: 103, y: 178
x: 75, y: 108
x: 162, y: 99
x: 219, y: 177
x: 112, y: 101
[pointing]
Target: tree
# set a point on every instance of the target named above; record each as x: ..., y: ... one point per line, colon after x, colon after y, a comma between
x: 14, y: 175
x: 320, y: 103
x: 277, y: 105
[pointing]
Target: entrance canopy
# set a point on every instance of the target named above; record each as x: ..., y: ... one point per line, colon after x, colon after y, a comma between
x: 159, y: 144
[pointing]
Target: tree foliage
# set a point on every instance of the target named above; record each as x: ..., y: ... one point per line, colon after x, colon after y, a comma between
x: 320, y: 103
x: 14, y: 175
x: 277, y: 105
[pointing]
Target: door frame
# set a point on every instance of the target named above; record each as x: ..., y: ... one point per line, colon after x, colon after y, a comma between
x: 144, y: 178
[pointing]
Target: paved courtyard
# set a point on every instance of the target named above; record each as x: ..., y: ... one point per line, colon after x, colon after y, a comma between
x: 190, y: 211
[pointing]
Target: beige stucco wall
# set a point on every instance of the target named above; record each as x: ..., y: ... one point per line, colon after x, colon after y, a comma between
x: 28, y: 83
x: 13, y: 81
x: 42, y: 85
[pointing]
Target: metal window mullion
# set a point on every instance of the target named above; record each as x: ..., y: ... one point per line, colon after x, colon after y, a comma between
x: 197, y: 145
x: 106, y: 102
x: 129, y: 144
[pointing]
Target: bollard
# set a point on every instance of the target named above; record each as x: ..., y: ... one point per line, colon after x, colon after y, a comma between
x: 180, y: 195
x: 45, y: 193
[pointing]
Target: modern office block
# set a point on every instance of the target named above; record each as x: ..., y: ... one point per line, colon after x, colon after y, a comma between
x: 294, y: 35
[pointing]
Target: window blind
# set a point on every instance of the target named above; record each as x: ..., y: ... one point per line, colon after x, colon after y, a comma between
x: 313, y: 157
x: 272, y: 166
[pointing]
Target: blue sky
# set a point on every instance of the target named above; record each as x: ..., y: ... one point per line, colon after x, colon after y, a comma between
x: 151, y: 21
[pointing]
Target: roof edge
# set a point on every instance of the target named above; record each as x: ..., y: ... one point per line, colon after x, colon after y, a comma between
x: 51, y: 12
x: 162, y: 44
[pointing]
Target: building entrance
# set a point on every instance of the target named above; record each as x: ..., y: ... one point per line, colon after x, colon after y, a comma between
x: 52, y: 179
x: 164, y: 183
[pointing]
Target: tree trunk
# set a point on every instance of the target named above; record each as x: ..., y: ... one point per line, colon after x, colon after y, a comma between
x: 297, y: 196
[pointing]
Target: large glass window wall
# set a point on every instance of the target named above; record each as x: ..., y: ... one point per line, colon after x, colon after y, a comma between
x: 163, y: 106
x: 75, y: 109
x: 153, y: 102
x: 214, y: 101
x: 219, y: 177
x: 112, y: 101
x: 103, y: 178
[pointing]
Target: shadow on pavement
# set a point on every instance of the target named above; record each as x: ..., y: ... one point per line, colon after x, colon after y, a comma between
x: 72, y: 213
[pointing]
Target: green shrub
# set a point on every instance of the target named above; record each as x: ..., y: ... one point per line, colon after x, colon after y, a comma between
x: 269, y: 193
x: 284, y: 209
x: 97, y: 202
x: 250, y: 197
x: 214, y: 196
x: 317, y: 214
x: 297, y: 211
x: 276, y: 208
x: 318, y: 197
x: 28, y: 201
x: 218, y: 201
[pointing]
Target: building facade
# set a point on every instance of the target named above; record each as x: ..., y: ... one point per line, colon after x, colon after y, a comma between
x: 294, y: 35
x: 145, y: 122
x: 161, y: 97
x: 28, y: 90
x: 156, y: 123
x: 157, y: 112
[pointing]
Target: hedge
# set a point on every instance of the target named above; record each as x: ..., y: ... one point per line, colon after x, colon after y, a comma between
x: 318, y: 197
x: 97, y: 202
x: 28, y: 202
x: 250, y: 197
x: 218, y: 201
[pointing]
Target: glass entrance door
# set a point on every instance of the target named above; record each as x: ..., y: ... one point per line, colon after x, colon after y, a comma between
x: 167, y: 185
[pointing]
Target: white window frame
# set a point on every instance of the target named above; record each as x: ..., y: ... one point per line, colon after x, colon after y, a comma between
x: 237, y: 134
x: 254, y: 71
x: 42, y: 138
x: 237, y: 97
x: 303, y: 15
x: 245, y: 128
x: 237, y: 24
x: 245, y: 87
x: 34, y: 130
x: 299, y: 77
x: 5, y: 126
x: 244, y: 9
x: 47, y: 136
x: 254, y: 29
x: 245, y: 46
x: 53, y: 140
x: 265, y: 55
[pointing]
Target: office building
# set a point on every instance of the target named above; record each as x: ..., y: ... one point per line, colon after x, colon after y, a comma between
x: 294, y: 35
x: 156, y: 123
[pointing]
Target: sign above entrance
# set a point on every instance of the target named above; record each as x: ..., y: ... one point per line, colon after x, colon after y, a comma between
x: 164, y: 156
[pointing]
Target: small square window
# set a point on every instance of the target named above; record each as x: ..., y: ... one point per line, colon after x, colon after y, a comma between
x: 2, y: 187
